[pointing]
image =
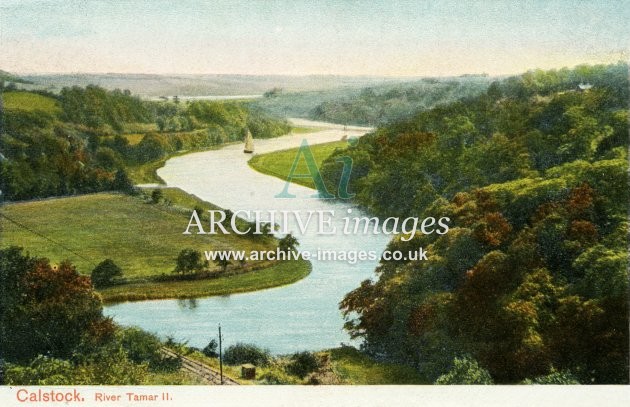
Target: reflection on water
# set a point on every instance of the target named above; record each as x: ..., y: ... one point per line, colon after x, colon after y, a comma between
x: 301, y: 316
x: 187, y: 303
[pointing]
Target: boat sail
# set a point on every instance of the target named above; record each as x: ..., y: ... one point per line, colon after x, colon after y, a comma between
x: 249, y: 143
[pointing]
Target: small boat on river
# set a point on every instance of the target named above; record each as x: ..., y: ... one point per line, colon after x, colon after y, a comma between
x: 249, y: 143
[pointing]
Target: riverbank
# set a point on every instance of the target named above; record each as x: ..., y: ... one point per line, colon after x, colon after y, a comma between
x: 146, y: 173
x: 278, y: 163
x: 283, y: 273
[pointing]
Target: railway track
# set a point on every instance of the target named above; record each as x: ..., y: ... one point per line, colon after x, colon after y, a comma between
x: 199, y: 369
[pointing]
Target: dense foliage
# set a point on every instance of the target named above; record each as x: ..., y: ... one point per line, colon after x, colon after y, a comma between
x: 83, y: 140
x: 531, y: 278
x: 246, y: 353
x: 53, y: 332
x: 46, y: 309
x: 374, y: 106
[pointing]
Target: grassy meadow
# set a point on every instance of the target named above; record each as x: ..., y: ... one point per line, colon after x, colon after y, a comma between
x: 142, y: 238
x: 30, y: 102
x: 278, y: 163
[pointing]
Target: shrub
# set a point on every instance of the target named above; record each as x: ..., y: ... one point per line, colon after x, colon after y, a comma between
x: 140, y: 346
x: 555, y: 377
x: 276, y: 377
x: 246, y: 353
x: 41, y: 371
x: 112, y: 368
x: 302, y: 363
x: 465, y: 371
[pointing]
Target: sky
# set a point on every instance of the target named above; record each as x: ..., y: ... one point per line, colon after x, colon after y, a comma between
x: 373, y: 38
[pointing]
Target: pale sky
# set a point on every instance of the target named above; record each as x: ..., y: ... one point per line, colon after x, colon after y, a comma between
x: 382, y: 38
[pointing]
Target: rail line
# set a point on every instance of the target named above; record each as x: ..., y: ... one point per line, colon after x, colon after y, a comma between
x: 199, y: 369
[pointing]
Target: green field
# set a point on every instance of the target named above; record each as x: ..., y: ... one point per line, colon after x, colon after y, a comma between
x: 283, y: 273
x: 142, y: 238
x: 278, y: 163
x: 30, y: 102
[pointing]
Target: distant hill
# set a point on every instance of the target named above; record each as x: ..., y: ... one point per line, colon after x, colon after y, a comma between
x: 149, y: 85
x: 9, y: 77
x: 375, y: 104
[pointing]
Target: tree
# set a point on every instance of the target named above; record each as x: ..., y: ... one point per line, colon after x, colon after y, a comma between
x: 223, y: 263
x: 122, y: 181
x: 46, y: 310
x: 104, y: 273
x: 156, y: 196
x: 189, y: 260
x: 210, y: 350
x: 288, y: 243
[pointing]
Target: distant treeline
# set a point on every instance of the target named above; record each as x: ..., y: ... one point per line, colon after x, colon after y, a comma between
x: 374, y: 105
x: 531, y: 280
x: 78, y: 141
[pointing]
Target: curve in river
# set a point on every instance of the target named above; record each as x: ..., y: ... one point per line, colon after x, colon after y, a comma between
x: 301, y: 316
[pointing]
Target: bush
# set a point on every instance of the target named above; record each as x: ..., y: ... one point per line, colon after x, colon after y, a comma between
x: 276, y: 377
x: 140, y: 346
x: 41, y: 371
x: 246, y: 353
x: 465, y: 371
x: 114, y: 368
x: 302, y: 363
x: 555, y: 377
x: 104, y: 274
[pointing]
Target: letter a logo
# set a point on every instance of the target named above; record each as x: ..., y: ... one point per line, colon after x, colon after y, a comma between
x: 313, y: 174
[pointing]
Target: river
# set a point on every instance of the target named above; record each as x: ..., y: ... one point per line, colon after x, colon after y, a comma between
x: 300, y: 316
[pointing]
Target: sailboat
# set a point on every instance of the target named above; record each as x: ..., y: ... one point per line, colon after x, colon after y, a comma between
x: 249, y: 143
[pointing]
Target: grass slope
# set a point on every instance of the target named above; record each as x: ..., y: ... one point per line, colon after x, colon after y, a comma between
x: 278, y: 163
x: 354, y: 367
x: 143, y: 239
x: 30, y: 102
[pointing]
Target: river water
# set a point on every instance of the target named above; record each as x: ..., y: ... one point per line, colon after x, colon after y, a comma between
x: 300, y: 316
